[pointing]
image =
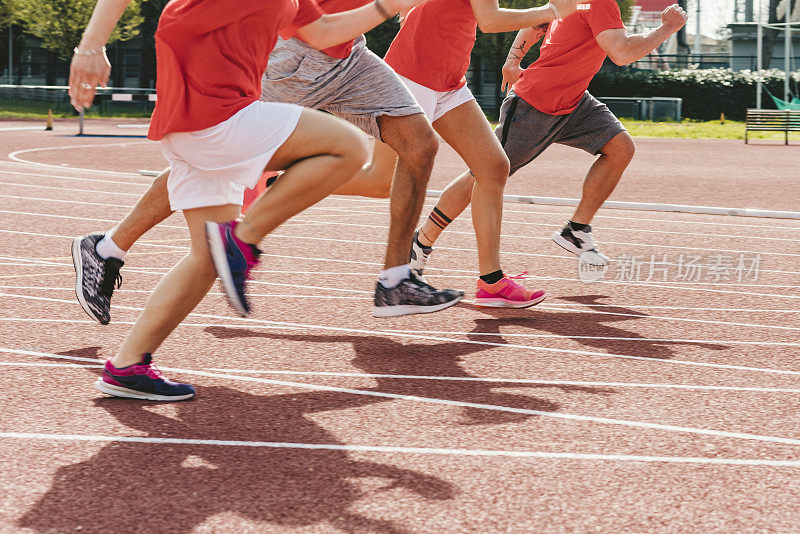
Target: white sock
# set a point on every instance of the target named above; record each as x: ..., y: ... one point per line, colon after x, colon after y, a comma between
x: 106, y: 248
x: 394, y: 275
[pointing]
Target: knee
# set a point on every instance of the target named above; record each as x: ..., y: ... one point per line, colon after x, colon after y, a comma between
x: 355, y: 150
x: 621, y: 149
x: 420, y: 148
x: 493, y: 171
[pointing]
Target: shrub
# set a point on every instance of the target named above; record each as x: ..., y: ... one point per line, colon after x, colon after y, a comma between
x: 706, y: 93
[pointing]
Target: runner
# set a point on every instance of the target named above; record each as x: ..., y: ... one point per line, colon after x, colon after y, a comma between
x: 549, y: 104
x: 349, y: 81
x: 219, y: 138
x: 431, y: 53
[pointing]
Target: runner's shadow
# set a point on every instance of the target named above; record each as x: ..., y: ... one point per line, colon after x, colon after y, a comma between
x: 381, y: 356
x: 146, y: 487
x: 593, y: 328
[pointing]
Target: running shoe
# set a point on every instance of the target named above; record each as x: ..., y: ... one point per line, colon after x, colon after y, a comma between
x: 410, y: 296
x: 419, y: 258
x: 580, y: 243
x: 95, y: 277
x: 234, y: 259
x: 141, y: 381
x: 507, y: 293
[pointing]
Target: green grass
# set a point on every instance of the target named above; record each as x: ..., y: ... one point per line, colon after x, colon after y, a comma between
x: 690, y: 129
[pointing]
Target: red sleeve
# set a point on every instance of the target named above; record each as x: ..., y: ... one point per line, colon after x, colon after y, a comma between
x: 308, y: 12
x: 604, y: 15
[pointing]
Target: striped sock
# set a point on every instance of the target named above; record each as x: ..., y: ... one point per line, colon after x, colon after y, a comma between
x: 439, y: 219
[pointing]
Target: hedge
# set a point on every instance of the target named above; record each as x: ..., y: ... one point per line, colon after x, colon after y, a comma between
x: 706, y: 93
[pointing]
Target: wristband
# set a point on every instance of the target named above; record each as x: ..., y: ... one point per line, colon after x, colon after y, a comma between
x: 79, y: 52
x: 551, y: 6
x: 381, y: 10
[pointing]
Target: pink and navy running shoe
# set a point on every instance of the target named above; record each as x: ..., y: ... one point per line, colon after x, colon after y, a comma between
x: 507, y: 293
x: 141, y: 381
x: 233, y: 259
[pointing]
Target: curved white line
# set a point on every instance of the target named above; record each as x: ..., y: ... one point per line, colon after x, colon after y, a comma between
x: 14, y: 156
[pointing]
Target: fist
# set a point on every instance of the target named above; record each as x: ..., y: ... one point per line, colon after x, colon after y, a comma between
x: 673, y: 18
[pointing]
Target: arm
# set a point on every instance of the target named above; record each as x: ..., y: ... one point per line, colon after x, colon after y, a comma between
x: 330, y: 30
x: 494, y: 19
x: 525, y: 39
x: 88, y: 71
x: 624, y: 49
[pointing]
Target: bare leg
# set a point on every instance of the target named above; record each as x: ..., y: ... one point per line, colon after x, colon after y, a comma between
x: 321, y: 154
x: 415, y: 143
x: 603, y: 176
x: 177, y: 294
x: 454, y: 200
x: 149, y: 211
x: 466, y: 129
x: 375, y: 179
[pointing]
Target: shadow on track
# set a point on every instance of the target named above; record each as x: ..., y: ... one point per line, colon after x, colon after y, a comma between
x: 138, y: 487
x: 593, y: 324
x: 379, y: 355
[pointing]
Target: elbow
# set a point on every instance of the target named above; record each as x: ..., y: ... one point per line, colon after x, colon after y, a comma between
x: 620, y: 59
x: 488, y: 25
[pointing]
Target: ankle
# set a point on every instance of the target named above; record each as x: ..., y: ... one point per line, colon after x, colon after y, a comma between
x: 493, y: 277
x: 126, y: 360
x: 423, y: 238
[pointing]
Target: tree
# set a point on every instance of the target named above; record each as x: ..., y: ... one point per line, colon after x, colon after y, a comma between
x: 59, y: 24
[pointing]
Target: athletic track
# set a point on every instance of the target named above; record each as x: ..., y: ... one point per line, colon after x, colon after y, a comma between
x: 615, y: 406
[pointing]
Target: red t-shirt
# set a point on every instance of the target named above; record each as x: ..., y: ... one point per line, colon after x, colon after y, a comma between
x: 211, y: 55
x: 569, y: 58
x: 340, y: 51
x: 434, y: 45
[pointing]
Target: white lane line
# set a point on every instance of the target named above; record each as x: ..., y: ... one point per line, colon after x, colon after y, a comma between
x: 450, y: 231
x: 644, y: 425
x: 533, y: 348
x: 434, y: 378
x: 485, y: 453
x: 15, y: 156
x: 384, y: 202
x: 527, y: 254
x: 140, y: 183
x: 716, y: 341
x: 539, y: 307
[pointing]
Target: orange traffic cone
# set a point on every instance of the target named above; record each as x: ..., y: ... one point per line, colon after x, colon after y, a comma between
x: 49, y: 125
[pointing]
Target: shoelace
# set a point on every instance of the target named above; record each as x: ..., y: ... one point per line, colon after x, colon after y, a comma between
x: 154, y: 372
x: 521, y: 276
x: 111, y: 280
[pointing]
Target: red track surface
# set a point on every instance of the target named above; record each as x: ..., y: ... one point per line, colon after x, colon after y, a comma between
x: 314, y: 417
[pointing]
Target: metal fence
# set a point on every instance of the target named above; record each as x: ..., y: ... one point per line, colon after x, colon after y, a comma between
x: 39, y: 99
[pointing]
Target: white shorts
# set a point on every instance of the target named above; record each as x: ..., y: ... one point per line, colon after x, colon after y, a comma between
x: 213, y: 167
x: 437, y: 103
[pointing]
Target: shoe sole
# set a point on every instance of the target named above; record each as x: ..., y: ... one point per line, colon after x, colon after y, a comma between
x: 77, y: 262
x: 567, y: 245
x: 408, y: 309
x: 217, y: 248
x: 502, y: 303
x: 116, y: 391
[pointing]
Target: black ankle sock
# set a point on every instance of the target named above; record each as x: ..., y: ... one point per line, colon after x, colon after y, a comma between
x: 255, y: 250
x: 492, y: 278
x: 577, y: 226
x: 420, y: 245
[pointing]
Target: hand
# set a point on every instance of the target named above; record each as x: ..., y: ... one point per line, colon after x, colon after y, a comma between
x: 511, y: 73
x: 566, y: 7
x: 673, y: 18
x: 86, y: 73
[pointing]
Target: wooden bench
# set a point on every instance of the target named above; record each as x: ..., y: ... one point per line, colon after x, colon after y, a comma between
x: 772, y: 120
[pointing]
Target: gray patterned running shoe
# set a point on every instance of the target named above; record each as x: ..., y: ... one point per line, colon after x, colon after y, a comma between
x: 410, y: 296
x: 96, y: 277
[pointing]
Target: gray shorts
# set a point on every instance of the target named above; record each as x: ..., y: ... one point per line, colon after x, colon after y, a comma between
x: 525, y: 132
x: 359, y: 88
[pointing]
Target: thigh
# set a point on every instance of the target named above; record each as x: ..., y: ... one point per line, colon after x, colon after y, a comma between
x: 467, y: 131
x: 590, y: 126
x: 524, y: 131
x: 316, y: 133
